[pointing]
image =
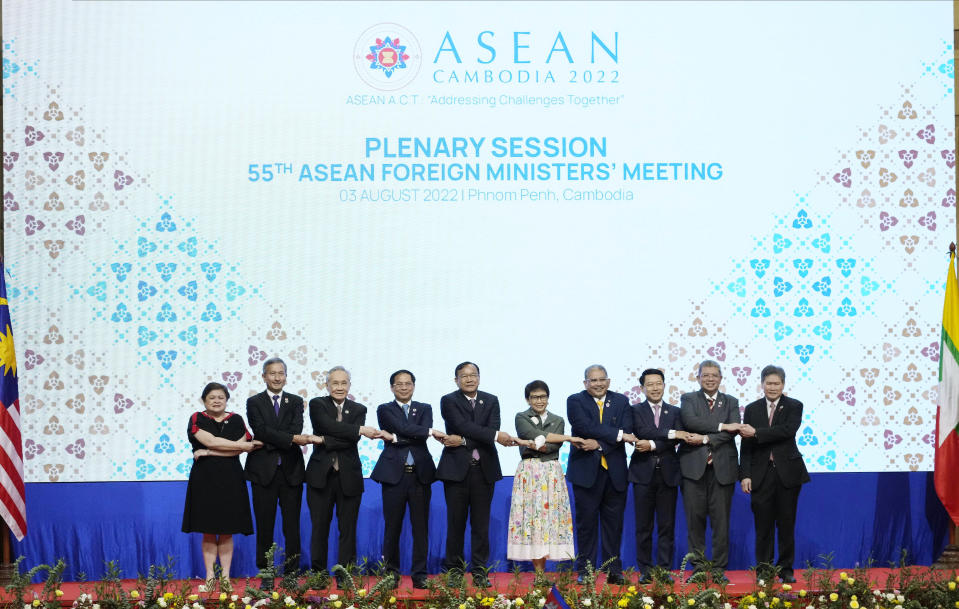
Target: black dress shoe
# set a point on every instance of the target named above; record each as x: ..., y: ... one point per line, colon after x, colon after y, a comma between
x: 420, y: 583
x: 788, y: 578
x: 616, y: 579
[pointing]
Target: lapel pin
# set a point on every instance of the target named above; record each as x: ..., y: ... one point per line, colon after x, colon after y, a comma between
x: 286, y: 400
x: 481, y: 402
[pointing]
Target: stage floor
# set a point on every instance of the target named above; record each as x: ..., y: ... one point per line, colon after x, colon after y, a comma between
x: 509, y: 584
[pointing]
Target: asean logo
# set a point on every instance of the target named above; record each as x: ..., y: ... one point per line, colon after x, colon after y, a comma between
x: 387, y: 57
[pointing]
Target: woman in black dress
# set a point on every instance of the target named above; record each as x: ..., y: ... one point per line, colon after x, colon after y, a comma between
x: 217, y: 502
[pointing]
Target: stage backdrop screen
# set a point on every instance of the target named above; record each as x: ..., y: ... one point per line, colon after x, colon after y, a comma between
x: 192, y: 188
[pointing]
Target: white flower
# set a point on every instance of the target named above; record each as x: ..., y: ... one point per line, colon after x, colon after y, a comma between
x: 542, y: 601
x: 727, y: 606
x: 900, y: 598
x: 647, y: 600
x: 333, y: 597
x: 288, y: 601
x: 752, y: 607
x: 234, y: 597
x: 587, y: 602
x: 96, y: 605
x: 161, y: 601
x: 761, y: 583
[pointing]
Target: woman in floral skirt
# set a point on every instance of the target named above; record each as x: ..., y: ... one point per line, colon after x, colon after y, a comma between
x: 540, y: 521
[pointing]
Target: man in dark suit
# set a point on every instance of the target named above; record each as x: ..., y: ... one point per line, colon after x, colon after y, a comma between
x: 405, y: 469
x: 275, y: 472
x: 598, y: 470
x: 772, y: 471
x: 469, y: 468
x: 654, y: 472
x: 709, y: 465
x: 334, y: 475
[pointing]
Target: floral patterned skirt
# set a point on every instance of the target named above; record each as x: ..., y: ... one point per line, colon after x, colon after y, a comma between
x: 540, y: 521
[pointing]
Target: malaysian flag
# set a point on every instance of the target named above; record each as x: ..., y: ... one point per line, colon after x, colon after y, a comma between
x: 12, y: 505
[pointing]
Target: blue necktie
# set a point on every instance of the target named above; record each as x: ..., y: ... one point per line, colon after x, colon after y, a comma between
x: 276, y: 405
x: 409, y: 453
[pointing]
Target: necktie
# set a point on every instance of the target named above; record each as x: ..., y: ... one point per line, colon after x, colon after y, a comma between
x: 602, y: 459
x: 772, y: 412
x: 709, y: 454
x: 656, y: 408
x: 409, y: 453
x: 339, y: 417
x: 276, y: 409
x: 475, y: 454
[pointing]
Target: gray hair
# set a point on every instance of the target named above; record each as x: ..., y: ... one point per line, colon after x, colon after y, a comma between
x: 770, y: 370
x: 594, y: 367
x: 708, y: 363
x: 349, y: 377
x: 271, y: 361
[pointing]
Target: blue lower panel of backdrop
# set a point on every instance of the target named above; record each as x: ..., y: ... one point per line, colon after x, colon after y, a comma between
x: 854, y: 518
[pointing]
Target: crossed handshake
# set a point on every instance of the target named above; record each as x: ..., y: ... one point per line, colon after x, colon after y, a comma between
x: 745, y: 430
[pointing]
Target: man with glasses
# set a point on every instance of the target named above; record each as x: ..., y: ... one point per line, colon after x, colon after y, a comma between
x: 405, y: 470
x: 654, y: 472
x: 598, y: 470
x: 276, y: 471
x: 469, y: 468
x: 710, y: 468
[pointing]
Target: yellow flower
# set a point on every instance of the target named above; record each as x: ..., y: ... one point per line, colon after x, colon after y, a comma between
x: 669, y: 599
x: 802, y: 593
x: 36, y: 602
x: 275, y: 595
x: 192, y: 598
x: 834, y: 597
x: 631, y: 589
x: 775, y: 600
x: 787, y: 587
x: 952, y: 585
x: 850, y: 581
x: 59, y: 593
x: 361, y: 592
x: 843, y: 576
x: 337, y: 604
x: 248, y: 607
x: 787, y: 604
x: 232, y: 605
x: 462, y: 606
x: 854, y: 598
x: 392, y: 600
x: 761, y: 594
x: 519, y: 602
x: 623, y: 602
x: 854, y: 604
x: 168, y: 595
x: 222, y: 596
x: 691, y: 602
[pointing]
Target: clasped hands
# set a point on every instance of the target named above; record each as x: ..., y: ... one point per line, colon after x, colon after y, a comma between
x: 365, y: 430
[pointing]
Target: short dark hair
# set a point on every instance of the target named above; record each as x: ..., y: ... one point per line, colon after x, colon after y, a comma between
x: 399, y: 372
x: 649, y: 371
x: 769, y: 370
x: 213, y: 387
x: 271, y: 361
x: 456, y: 371
x: 536, y: 385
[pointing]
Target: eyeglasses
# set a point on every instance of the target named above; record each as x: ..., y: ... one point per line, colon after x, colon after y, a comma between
x: 538, y: 398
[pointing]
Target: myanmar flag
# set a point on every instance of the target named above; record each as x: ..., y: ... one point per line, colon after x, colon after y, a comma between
x: 947, y: 417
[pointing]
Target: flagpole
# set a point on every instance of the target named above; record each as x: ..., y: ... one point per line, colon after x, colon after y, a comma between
x: 949, y: 559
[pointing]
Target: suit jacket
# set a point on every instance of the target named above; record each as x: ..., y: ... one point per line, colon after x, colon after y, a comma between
x: 411, y: 436
x: 530, y: 425
x: 778, y: 439
x: 584, y: 422
x: 339, y: 438
x: 698, y: 419
x: 642, y: 465
x: 479, y: 426
x: 276, y: 431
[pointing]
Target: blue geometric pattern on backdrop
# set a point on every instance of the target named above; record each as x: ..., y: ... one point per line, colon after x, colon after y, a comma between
x: 14, y: 70
x: 803, y: 288
x: 943, y: 67
x: 166, y: 291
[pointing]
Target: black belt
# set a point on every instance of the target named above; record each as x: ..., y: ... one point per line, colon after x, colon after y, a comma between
x: 410, y: 468
x: 474, y: 462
